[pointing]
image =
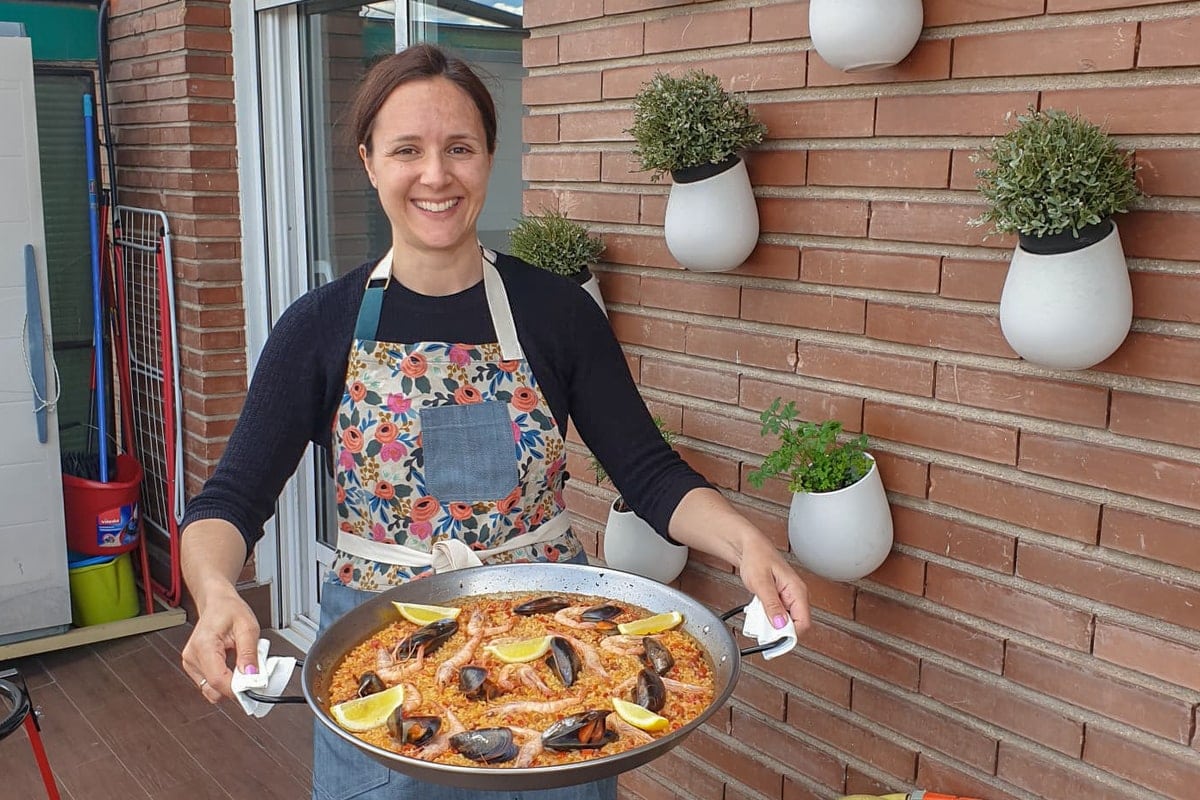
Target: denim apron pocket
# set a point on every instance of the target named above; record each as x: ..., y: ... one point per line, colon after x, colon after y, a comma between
x: 469, y: 452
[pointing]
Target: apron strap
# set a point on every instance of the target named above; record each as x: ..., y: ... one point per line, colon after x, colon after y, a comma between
x: 367, y: 325
x: 447, y: 554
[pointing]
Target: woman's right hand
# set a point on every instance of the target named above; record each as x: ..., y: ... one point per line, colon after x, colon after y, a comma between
x: 225, y: 627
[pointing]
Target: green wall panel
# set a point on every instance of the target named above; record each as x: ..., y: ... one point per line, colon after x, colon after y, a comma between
x: 60, y: 31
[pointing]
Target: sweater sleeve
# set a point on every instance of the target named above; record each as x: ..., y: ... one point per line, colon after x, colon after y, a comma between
x: 290, y: 402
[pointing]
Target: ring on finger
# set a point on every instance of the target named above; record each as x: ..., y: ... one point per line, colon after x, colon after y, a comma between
x: 203, y: 683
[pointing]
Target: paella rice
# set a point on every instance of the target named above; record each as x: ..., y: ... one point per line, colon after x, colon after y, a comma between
x: 472, y: 696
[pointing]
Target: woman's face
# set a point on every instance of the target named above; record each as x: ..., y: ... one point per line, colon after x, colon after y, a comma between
x: 430, y: 164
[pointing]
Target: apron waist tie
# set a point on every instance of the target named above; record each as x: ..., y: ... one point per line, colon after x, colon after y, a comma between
x: 447, y: 554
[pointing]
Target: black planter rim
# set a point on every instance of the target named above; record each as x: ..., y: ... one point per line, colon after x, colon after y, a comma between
x: 702, y: 171
x: 1065, y: 242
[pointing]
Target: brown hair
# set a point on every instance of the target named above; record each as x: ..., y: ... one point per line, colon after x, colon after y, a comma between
x: 418, y: 62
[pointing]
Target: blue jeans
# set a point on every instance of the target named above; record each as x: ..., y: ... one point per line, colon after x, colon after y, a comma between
x: 342, y: 772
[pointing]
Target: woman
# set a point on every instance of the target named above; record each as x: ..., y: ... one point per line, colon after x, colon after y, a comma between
x: 423, y: 426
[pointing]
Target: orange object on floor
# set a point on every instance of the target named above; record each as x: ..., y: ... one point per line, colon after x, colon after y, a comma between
x: 17, y: 696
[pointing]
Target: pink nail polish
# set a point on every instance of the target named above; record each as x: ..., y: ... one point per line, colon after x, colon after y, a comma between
x: 250, y: 669
x: 779, y: 621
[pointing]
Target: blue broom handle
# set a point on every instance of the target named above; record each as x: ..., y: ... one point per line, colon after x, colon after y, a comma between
x: 89, y: 133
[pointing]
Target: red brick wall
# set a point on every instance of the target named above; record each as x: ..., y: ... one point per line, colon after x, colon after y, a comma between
x: 1035, y: 632
x: 171, y: 92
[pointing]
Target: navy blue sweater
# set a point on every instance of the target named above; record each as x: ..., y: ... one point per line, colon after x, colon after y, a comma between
x: 578, y: 363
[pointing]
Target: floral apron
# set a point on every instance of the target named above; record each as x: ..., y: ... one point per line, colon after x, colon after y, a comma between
x: 446, y: 455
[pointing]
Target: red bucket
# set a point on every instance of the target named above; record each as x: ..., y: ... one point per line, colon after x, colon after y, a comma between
x: 103, y: 518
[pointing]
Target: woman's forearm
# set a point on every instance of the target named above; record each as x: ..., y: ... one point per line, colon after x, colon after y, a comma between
x: 706, y: 521
x: 212, y: 555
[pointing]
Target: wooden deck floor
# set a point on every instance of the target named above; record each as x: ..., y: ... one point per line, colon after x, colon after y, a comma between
x: 121, y: 721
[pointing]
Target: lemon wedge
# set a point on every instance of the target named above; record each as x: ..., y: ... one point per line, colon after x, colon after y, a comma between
x: 423, y: 615
x: 365, y: 713
x: 639, y: 716
x: 648, y: 625
x: 520, y: 651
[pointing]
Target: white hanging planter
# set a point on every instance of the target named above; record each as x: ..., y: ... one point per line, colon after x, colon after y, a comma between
x: 861, y: 35
x: 592, y: 287
x: 631, y: 545
x: 712, y: 220
x: 1068, y: 310
x: 842, y: 535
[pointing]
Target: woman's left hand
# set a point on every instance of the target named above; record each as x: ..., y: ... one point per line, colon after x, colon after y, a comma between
x: 769, y: 577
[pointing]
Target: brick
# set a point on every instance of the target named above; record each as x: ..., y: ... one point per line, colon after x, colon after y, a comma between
x: 646, y: 330
x: 1169, y: 42
x: 929, y: 630
x: 618, y: 41
x: 946, y: 330
x: 1053, y: 51
x: 626, y: 6
x: 538, y: 13
x: 1162, y: 419
x: 577, y: 87
x: 818, y: 119
x: 653, y: 210
x: 808, y: 676
x: 952, y: 12
x: 1141, y: 474
x: 539, y: 51
x: 892, y: 168
x: 778, y: 742
x: 1157, y: 767
x: 1143, y: 110
x: 810, y: 405
x: 772, y: 261
x: 721, y: 472
x: 895, y: 271
x: 739, y: 347
x: 538, y: 166
x: 933, y: 771
x: 1052, y: 778
x: 1148, y: 595
x: 740, y: 760
x: 765, y: 697
x: 834, y: 597
x: 683, y: 776
x: 1150, y: 355
x: 963, y: 169
x: 777, y: 167
x: 928, y: 61
x: 873, y: 658
x: 1166, y: 296
x: 949, y: 114
x: 698, y: 31
x: 722, y: 430
x: 639, y: 784
x: 813, y: 216
x: 973, y: 279
x: 1168, y: 173
x: 594, y: 206
x: 996, y: 443
x: 1009, y: 606
x: 896, y: 711
x: 860, y: 783
x: 622, y: 168
x: 794, y: 309
x: 778, y: 22
x: 850, y: 737
x: 880, y: 370
x: 1088, y: 684
x: 540, y: 129
x: 1082, y: 404
x: 1152, y: 537
x: 953, y: 539
x: 690, y: 381
x: 691, y: 295
x: 1151, y: 655
x: 1021, y: 505
x: 639, y: 251
x: 1161, y: 234
x: 1069, y: 6
x: 902, y: 572
x: 928, y: 222
x: 595, y: 126
x: 903, y: 475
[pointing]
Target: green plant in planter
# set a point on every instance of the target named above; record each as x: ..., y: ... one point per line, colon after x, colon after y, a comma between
x: 808, y: 453
x: 555, y: 243
x: 602, y: 475
x: 690, y: 121
x: 1052, y: 173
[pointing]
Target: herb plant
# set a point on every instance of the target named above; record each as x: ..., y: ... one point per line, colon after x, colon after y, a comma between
x: 808, y: 453
x: 554, y: 243
x: 602, y: 475
x: 1053, y: 172
x: 690, y: 121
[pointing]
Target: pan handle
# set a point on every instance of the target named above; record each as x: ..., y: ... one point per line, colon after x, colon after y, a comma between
x: 276, y: 700
x: 748, y: 651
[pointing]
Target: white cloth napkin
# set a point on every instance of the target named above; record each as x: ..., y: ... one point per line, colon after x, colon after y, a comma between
x: 273, y: 675
x: 757, y: 626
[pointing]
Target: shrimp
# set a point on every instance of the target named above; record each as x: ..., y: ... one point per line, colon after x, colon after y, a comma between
x: 532, y: 747
x: 441, y: 742
x: 391, y: 671
x: 572, y: 617
x: 623, y: 645
x: 531, y: 707
x: 679, y: 686
x: 412, y: 698
x: 511, y: 673
x: 589, y: 654
x: 448, y: 668
x: 623, y: 728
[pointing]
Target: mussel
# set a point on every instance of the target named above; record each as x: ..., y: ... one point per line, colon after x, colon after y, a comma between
x: 432, y: 636
x: 650, y: 692
x: 473, y: 681
x: 541, y: 605
x: 412, y: 730
x: 485, y: 745
x: 563, y: 660
x: 583, y: 731
x: 656, y: 656
x: 370, y: 683
x: 602, y: 613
